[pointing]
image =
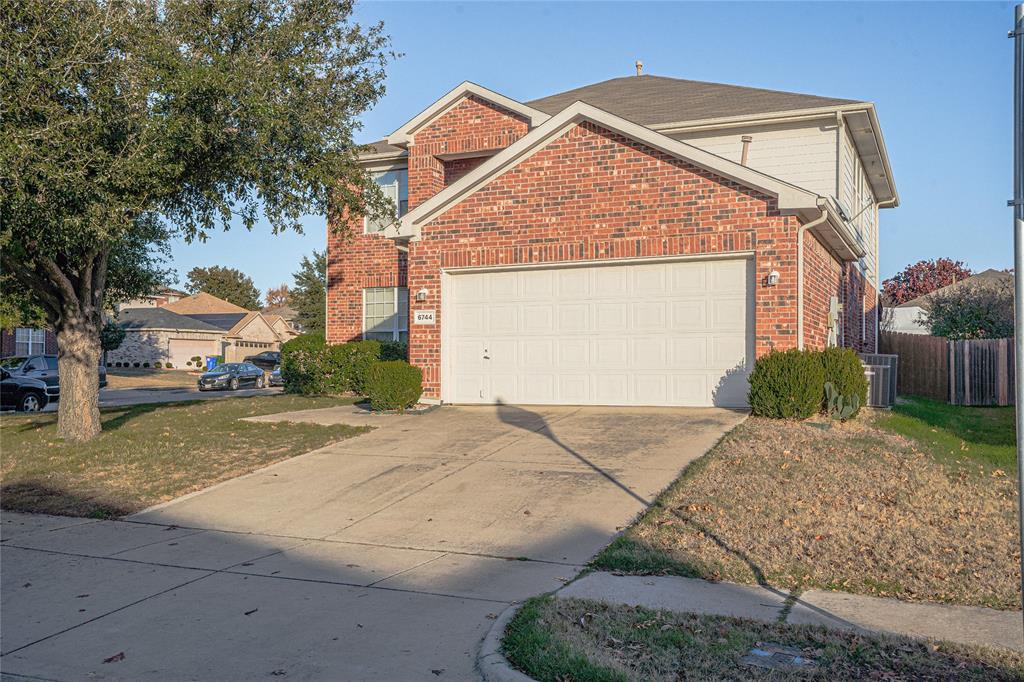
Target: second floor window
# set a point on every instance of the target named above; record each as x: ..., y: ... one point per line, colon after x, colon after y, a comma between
x: 395, y: 184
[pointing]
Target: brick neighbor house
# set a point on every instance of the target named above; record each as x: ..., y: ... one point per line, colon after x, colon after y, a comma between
x: 638, y: 241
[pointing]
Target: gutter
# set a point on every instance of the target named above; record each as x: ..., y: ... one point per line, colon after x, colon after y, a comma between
x: 822, y: 217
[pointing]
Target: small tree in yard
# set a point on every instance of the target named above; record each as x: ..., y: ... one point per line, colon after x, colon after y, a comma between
x: 125, y: 118
x: 111, y: 337
x: 984, y: 311
x: 923, y: 277
x: 229, y: 284
x: 277, y: 296
x: 309, y: 296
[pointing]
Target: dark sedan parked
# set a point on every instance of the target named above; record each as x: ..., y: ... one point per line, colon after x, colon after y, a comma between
x: 267, y: 360
x: 22, y: 393
x: 232, y: 376
x: 275, y: 378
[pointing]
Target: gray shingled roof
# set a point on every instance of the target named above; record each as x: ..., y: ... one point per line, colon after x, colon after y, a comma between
x: 651, y: 100
x: 137, y: 319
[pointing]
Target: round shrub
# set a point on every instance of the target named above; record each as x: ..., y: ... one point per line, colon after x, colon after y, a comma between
x: 394, y: 350
x: 158, y: 365
x: 136, y: 364
x: 310, y: 366
x: 145, y: 364
x: 168, y: 365
x: 843, y: 368
x: 787, y: 385
x: 394, y: 385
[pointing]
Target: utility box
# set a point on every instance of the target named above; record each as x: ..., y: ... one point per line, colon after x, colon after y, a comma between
x: 880, y: 370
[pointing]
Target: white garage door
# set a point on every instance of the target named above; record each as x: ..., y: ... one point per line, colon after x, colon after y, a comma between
x: 664, y: 333
x: 181, y: 351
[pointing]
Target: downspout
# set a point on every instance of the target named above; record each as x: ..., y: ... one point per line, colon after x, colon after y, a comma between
x: 800, y: 270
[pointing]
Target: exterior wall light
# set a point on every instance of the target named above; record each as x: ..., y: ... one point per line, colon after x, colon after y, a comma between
x: 773, y: 278
x: 421, y: 295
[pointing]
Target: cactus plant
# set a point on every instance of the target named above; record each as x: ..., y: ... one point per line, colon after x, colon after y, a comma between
x: 839, y: 406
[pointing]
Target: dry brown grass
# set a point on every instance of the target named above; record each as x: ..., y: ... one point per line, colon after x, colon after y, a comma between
x: 556, y: 640
x: 854, y: 508
x: 146, y: 378
x: 150, y: 453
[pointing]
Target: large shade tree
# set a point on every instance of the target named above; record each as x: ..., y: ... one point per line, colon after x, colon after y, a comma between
x: 923, y: 277
x: 122, y: 115
x: 229, y: 284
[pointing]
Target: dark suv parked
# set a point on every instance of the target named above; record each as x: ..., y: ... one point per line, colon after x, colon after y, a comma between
x: 43, y: 368
x: 21, y: 393
x: 267, y: 360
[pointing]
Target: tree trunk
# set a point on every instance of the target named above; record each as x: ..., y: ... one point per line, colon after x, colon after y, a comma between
x: 78, y: 359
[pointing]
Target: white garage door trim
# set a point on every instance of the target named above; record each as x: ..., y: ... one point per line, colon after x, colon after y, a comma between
x: 645, y: 383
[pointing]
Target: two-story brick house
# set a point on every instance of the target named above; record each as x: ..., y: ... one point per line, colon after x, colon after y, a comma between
x: 639, y: 241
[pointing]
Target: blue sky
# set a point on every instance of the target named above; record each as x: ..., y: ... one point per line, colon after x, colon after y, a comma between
x: 940, y: 75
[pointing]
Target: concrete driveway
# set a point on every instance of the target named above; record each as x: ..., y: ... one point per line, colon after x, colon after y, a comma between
x: 385, y: 557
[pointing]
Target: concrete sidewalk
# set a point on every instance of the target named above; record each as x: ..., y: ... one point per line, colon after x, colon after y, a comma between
x: 962, y: 624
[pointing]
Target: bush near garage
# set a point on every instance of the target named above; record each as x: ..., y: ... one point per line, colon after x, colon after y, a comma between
x: 394, y: 385
x: 787, y: 384
x: 311, y: 366
x: 394, y: 350
x: 844, y: 370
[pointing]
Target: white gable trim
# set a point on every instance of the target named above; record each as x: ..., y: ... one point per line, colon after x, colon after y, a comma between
x: 404, y: 135
x: 791, y: 199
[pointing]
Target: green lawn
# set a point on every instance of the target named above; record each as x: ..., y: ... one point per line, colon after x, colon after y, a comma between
x: 150, y: 453
x: 557, y: 640
x: 985, y: 435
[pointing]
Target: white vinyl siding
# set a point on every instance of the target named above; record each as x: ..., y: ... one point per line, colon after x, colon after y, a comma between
x: 29, y: 341
x: 803, y: 153
x: 858, y: 201
x: 386, y: 313
x: 395, y: 185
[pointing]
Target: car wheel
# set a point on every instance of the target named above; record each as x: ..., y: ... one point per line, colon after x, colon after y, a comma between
x: 30, y: 402
x: 259, y: 381
x: 233, y: 385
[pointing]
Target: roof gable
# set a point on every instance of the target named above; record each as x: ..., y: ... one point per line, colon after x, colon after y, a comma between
x: 658, y: 100
x: 141, y: 319
x: 203, y: 303
x: 789, y: 197
x: 403, y: 135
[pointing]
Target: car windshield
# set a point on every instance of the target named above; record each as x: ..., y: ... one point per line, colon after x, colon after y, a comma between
x: 12, y: 363
x: 224, y: 367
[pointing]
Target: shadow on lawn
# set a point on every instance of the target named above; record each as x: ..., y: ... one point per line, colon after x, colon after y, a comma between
x: 38, y: 497
x: 531, y: 421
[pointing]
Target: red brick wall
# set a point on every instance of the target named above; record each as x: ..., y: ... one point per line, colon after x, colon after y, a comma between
x: 355, y: 262
x: 592, y: 195
x: 472, y: 125
x: 823, y: 279
x: 456, y: 168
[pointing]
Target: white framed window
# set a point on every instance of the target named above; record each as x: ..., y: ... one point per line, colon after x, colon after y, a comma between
x: 28, y: 341
x: 386, y: 313
x: 395, y: 185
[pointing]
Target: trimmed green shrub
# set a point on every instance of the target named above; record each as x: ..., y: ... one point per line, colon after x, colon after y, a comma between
x: 787, y: 385
x: 158, y: 365
x: 845, y: 372
x: 394, y: 350
x: 197, y: 361
x: 394, y: 385
x: 168, y: 365
x: 310, y: 366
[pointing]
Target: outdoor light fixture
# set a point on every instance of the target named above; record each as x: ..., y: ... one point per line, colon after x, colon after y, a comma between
x: 421, y: 295
x: 773, y: 278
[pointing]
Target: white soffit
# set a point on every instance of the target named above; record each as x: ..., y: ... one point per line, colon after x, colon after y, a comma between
x: 403, y: 135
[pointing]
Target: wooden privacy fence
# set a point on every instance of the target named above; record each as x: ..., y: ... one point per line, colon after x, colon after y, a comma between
x: 971, y: 372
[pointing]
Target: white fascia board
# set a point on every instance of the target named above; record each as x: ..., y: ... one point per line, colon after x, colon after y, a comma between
x: 404, y: 135
x: 791, y: 198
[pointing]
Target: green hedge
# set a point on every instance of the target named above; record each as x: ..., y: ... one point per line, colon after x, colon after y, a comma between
x: 787, y: 385
x: 310, y: 366
x: 394, y: 350
x: 394, y: 385
x: 843, y: 368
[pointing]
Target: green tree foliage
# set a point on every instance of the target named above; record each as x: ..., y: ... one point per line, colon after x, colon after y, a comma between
x: 309, y: 295
x: 312, y: 367
x: 394, y: 385
x: 234, y: 286
x: 983, y: 311
x: 123, y: 115
x: 111, y: 337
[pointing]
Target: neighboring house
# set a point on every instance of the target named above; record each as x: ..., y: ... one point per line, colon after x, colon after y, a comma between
x: 27, y: 341
x: 200, y: 325
x: 283, y: 319
x: 154, y: 300
x: 639, y: 241
x: 907, y: 317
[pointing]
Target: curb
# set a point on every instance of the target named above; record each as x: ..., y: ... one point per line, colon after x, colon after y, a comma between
x: 491, y: 663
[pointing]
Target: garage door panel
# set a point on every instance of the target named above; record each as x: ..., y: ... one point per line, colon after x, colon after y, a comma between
x: 665, y: 333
